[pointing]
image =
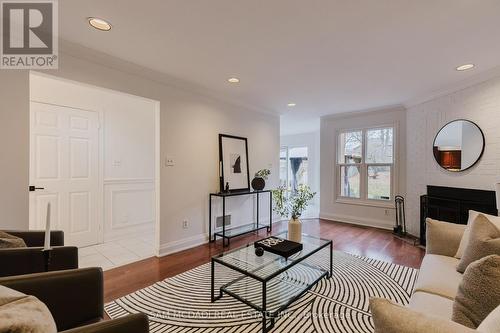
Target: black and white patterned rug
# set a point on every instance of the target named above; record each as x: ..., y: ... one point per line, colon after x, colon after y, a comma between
x: 339, y: 304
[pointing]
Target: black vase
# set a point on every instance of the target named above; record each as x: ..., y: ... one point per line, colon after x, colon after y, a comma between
x: 258, y: 183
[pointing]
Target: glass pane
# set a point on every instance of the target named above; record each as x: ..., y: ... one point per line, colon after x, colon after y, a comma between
x: 350, y: 147
x: 349, y: 181
x: 283, y: 167
x: 379, y: 146
x: 379, y: 182
x: 298, y: 166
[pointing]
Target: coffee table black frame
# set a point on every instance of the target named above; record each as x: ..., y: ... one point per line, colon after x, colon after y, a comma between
x: 262, y: 309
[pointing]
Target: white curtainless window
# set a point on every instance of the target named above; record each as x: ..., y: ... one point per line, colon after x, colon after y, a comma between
x: 365, y: 164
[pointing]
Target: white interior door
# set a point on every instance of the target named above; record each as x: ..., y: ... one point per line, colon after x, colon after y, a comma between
x: 64, y: 161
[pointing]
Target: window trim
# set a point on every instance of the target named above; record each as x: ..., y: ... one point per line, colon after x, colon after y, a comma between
x: 363, y: 167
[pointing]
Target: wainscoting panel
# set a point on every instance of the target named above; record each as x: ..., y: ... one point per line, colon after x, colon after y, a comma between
x: 129, y: 207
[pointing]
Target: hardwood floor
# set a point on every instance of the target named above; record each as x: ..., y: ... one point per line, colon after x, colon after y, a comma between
x: 365, y: 241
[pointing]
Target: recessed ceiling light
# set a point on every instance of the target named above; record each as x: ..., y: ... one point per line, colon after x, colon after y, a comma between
x: 233, y: 80
x: 465, y: 67
x: 99, y: 24
x: 291, y: 104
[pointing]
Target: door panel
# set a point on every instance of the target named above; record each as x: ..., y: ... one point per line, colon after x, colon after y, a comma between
x: 80, y: 212
x: 40, y: 210
x: 64, y: 159
x: 47, y: 157
x: 80, y: 159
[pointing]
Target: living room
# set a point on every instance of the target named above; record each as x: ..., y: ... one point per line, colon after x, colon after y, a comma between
x: 168, y: 146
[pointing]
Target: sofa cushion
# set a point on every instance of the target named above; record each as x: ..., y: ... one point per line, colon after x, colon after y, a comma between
x: 438, y: 275
x: 443, y: 238
x: 484, y: 239
x: 465, y: 238
x: 21, y: 313
x: 431, y: 304
x: 9, y: 241
x: 479, y: 292
x: 491, y: 324
x: 392, y: 318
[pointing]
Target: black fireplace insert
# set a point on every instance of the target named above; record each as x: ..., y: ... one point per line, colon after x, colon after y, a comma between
x: 452, y: 204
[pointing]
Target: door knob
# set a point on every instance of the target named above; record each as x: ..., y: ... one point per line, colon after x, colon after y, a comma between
x: 33, y: 188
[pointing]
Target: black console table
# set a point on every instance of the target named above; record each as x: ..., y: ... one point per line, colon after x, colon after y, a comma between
x: 228, y: 233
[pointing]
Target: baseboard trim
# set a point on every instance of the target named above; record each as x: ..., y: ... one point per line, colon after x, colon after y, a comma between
x: 182, y: 244
x: 367, y: 222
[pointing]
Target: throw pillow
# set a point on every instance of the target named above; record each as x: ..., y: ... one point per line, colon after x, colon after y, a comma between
x: 479, y: 292
x: 465, y: 238
x: 21, y: 313
x: 443, y: 238
x: 491, y: 324
x: 389, y: 317
x: 484, y: 239
x: 9, y: 241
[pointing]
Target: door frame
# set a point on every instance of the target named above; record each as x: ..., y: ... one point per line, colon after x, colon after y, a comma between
x: 158, y: 162
x: 100, y: 154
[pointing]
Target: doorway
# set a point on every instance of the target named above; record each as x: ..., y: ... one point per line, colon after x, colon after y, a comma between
x: 94, y: 155
x: 294, y: 167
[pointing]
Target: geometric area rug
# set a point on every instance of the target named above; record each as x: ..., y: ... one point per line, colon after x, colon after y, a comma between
x: 339, y: 304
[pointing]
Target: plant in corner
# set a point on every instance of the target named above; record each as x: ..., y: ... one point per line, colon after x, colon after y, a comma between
x: 291, y: 204
x: 259, y: 181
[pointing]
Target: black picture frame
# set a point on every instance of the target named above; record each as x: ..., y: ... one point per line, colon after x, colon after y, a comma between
x: 222, y: 177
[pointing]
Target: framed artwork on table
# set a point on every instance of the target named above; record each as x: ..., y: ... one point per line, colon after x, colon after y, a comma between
x: 233, y: 163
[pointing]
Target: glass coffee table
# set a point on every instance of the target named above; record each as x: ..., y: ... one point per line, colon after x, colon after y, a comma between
x: 270, y: 283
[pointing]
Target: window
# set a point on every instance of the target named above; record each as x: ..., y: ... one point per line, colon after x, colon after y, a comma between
x: 365, y: 164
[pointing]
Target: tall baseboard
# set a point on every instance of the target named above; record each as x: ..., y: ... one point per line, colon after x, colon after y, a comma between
x: 182, y: 244
x: 187, y: 243
x: 367, y: 222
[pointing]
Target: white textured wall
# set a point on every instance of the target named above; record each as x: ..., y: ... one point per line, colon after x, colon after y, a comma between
x: 480, y: 104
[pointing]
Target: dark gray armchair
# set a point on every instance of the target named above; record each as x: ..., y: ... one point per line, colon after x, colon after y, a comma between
x: 75, y: 299
x: 27, y: 260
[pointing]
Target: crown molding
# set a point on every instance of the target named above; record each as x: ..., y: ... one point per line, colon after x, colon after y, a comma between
x: 81, y: 52
x: 365, y: 112
x: 455, y: 87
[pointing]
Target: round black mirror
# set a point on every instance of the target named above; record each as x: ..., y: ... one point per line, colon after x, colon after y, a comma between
x: 458, y: 145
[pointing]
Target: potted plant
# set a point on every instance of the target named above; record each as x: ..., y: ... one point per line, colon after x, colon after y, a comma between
x: 259, y: 182
x: 291, y: 204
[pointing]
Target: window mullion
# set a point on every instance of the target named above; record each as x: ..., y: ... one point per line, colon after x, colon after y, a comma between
x: 364, y: 169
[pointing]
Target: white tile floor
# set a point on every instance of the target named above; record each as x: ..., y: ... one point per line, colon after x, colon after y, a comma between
x: 116, y: 253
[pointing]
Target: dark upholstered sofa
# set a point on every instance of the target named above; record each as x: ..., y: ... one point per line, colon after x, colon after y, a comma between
x: 27, y: 260
x: 75, y: 300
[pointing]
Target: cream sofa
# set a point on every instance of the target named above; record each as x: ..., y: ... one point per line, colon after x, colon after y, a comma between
x: 438, y: 280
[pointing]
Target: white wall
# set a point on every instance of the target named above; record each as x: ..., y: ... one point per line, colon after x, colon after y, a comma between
x: 312, y: 142
x: 190, y: 123
x: 379, y: 216
x: 14, y: 149
x: 128, y: 128
x: 480, y: 104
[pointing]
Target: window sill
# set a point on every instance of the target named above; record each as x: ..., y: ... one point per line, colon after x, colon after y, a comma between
x: 369, y: 203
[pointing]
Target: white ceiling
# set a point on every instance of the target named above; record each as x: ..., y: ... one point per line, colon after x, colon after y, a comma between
x: 297, y: 123
x: 327, y: 56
